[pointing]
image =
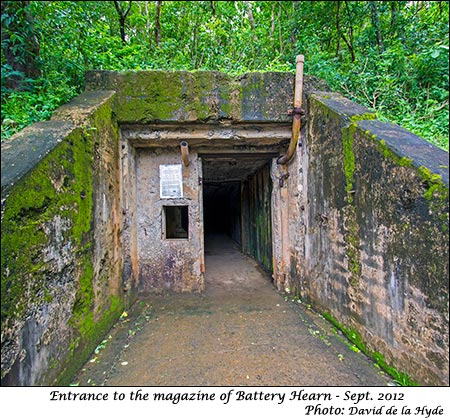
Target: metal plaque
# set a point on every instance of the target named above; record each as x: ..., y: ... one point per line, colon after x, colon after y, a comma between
x: 170, y: 181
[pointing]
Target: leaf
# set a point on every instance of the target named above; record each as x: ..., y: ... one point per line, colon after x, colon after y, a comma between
x: 101, y: 346
x: 435, y: 54
x: 355, y: 349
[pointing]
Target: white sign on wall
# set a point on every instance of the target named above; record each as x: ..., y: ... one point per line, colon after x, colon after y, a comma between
x: 170, y: 181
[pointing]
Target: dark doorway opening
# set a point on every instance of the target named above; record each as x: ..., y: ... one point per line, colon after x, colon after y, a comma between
x: 237, y: 203
x: 222, y: 209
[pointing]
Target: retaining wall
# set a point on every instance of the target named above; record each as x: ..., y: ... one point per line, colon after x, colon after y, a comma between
x: 366, y: 204
x: 375, y: 245
x: 61, y: 246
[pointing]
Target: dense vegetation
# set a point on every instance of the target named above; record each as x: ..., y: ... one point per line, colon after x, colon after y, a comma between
x: 389, y: 55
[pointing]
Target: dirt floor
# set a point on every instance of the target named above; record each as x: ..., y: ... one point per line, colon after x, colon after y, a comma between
x: 241, y: 331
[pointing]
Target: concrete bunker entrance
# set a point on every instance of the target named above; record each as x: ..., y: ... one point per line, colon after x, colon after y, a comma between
x: 237, y: 203
x: 226, y: 186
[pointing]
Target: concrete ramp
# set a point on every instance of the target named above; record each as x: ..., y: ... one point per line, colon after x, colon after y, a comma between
x: 241, y: 331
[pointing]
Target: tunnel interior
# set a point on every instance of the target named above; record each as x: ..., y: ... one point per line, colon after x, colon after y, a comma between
x: 222, y: 209
x: 237, y: 202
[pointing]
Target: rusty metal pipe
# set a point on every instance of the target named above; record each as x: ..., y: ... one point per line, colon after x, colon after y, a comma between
x: 298, y: 112
x: 185, y: 152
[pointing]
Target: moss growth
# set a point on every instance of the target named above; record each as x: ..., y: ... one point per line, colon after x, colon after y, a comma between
x: 82, y: 315
x: 436, y: 192
x: 389, y: 154
x: 435, y: 188
x: 60, y: 185
x: 351, y: 230
x: 167, y: 96
x: 348, y: 133
x: 352, y: 239
x: 82, y: 347
x: 149, y: 95
x: 437, y: 195
x: 363, y: 117
x: 349, y: 159
x: 356, y: 339
x: 56, y: 197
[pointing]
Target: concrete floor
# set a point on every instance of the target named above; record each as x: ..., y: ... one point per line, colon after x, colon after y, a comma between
x: 241, y: 331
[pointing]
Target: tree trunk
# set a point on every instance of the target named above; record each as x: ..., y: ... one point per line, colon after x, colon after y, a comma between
x: 251, y: 19
x: 375, y: 19
x: 148, y: 26
x: 19, y: 43
x: 397, y: 29
x: 349, y: 42
x: 158, y: 23
x: 280, y: 35
x: 394, y: 14
x: 122, y: 17
x: 338, y: 28
x: 340, y: 33
x: 272, y: 21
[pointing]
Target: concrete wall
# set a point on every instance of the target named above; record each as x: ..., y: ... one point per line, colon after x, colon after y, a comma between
x: 147, y: 97
x: 156, y: 110
x: 61, y: 249
x: 257, y: 217
x: 359, y: 216
x: 374, y: 234
x: 168, y: 264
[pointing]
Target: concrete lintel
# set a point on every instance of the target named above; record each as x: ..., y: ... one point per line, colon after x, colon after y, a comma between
x: 23, y: 151
x: 406, y: 144
x: 206, y: 135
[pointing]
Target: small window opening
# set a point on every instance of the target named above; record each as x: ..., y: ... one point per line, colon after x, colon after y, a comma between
x: 177, y: 222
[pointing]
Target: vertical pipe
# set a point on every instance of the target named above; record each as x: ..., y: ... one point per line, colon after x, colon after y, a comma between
x: 298, y: 93
x: 185, y: 152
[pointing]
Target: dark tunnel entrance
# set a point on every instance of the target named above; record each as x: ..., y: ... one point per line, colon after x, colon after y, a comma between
x: 222, y: 209
x: 237, y: 193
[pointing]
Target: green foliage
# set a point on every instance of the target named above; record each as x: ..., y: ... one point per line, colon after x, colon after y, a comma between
x: 20, y: 49
x: 389, y: 56
x: 22, y: 108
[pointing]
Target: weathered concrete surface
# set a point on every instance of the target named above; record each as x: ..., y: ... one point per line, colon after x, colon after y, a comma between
x: 80, y: 109
x: 202, y: 96
x: 61, y: 255
x: 239, y: 332
x: 360, y: 225
x: 26, y: 149
x: 374, y: 209
x: 405, y: 144
x: 168, y: 264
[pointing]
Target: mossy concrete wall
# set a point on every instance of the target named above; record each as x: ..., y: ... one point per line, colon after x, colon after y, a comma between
x: 148, y: 97
x: 158, y: 109
x: 375, y: 247
x: 61, y: 252
x: 359, y: 216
